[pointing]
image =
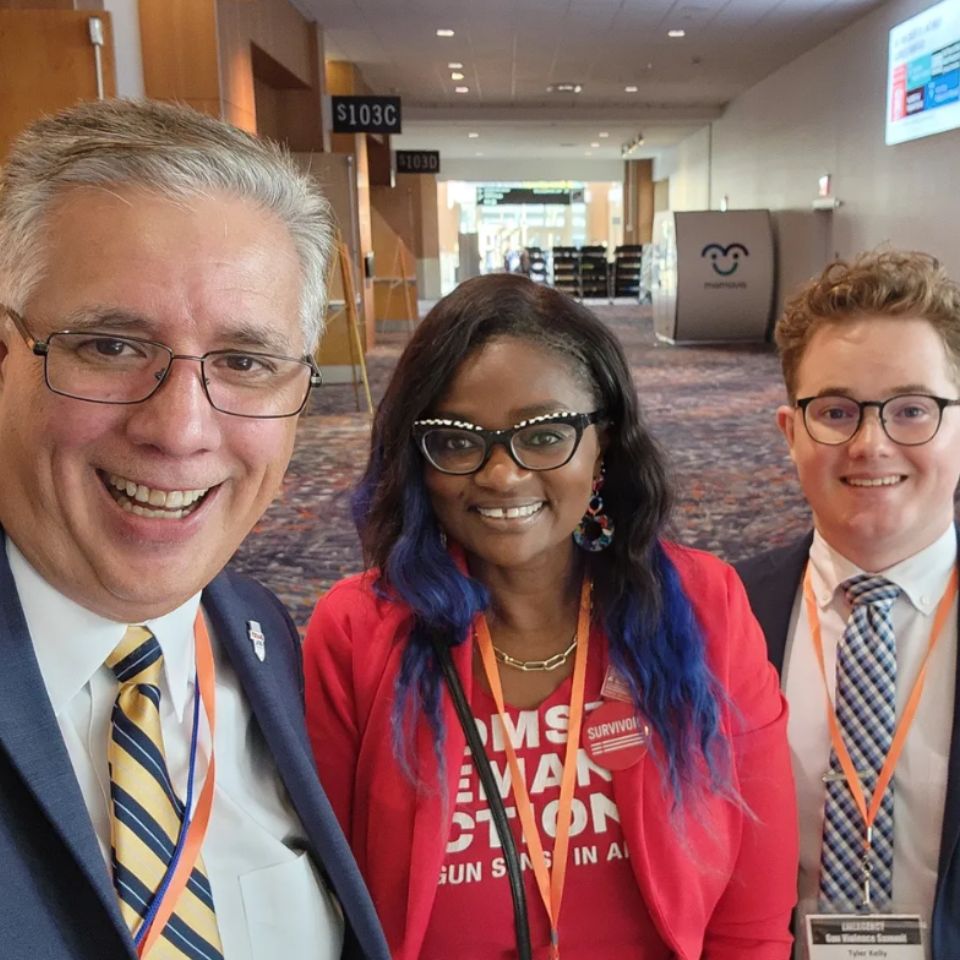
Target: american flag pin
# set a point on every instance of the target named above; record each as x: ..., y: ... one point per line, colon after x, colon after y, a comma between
x: 257, y: 639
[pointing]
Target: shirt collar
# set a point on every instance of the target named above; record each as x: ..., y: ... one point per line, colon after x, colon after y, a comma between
x: 72, y: 643
x: 922, y: 577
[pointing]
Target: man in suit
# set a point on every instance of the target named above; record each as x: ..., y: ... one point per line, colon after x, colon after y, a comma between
x: 871, y: 360
x: 161, y: 293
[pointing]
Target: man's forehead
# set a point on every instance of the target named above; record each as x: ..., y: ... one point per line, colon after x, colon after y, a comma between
x: 908, y: 350
x: 138, y: 262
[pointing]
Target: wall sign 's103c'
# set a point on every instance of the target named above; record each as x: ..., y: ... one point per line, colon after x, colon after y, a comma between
x: 366, y: 114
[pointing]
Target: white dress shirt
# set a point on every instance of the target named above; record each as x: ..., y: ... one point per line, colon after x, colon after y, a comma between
x: 920, y: 779
x: 269, y: 899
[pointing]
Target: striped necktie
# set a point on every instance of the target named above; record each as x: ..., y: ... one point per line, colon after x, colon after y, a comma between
x: 866, y: 713
x: 146, y: 812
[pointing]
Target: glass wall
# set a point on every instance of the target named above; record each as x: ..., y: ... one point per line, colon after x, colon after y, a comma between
x: 504, y: 219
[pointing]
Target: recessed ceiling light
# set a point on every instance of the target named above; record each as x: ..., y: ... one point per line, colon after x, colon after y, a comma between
x: 564, y: 88
x: 456, y: 76
x: 455, y: 66
x: 630, y: 89
x: 472, y: 135
x: 603, y: 135
x: 676, y: 34
x: 594, y: 145
x: 461, y: 89
x: 444, y: 32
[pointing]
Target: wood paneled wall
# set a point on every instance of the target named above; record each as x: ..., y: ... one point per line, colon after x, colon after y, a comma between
x: 394, y: 212
x: 638, y: 202
x: 426, y: 230
x: 179, y: 44
x: 211, y: 54
x: 46, y: 64
x: 344, y: 79
x: 51, y: 5
x: 276, y: 28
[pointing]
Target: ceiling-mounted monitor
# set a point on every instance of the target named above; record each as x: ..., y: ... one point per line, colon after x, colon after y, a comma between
x: 923, y: 74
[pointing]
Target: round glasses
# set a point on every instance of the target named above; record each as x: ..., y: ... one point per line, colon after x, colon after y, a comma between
x: 105, y: 368
x: 540, y: 443
x: 909, y: 419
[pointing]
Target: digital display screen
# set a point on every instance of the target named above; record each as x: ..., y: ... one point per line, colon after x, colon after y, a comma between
x: 923, y: 74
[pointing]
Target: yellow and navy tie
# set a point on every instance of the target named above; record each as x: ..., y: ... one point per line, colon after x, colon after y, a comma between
x: 146, y: 812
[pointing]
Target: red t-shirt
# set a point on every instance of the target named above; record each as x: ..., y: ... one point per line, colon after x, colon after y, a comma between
x: 602, y: 913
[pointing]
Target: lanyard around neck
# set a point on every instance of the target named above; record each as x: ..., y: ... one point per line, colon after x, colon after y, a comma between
x: 193, y: 828
x: 869, y: 813
x: 549, y: 881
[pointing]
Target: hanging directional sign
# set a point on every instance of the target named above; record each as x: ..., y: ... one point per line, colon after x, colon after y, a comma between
x: 494, y: 196
x: 418, y: 161
x: 366, y: 114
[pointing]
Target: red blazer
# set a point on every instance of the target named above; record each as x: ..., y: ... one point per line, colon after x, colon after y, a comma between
x: 718, y: 881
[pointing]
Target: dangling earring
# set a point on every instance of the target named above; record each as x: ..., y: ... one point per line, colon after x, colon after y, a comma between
x: 595, y: 531
x: 443, y: 539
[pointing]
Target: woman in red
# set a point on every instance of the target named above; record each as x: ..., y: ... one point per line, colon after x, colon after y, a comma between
x: 545, y: 731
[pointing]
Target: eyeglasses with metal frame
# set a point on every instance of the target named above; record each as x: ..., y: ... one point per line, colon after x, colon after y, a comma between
x: 102, y: 367
x: 547, y: 442
x: 908, y: 419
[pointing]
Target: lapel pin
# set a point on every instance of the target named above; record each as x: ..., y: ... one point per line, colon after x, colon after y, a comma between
x: 257, y: 639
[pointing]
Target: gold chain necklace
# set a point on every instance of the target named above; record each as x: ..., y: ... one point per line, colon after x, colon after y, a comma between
x: 534, y: 666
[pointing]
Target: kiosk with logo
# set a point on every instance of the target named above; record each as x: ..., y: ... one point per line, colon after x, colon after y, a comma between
x: 713, y: 275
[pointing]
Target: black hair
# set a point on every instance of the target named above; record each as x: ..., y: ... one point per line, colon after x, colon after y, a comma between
x: 654, y: 639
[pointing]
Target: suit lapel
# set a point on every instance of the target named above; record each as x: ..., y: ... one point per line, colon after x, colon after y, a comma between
x: 273, y: 692
x: 30, y: 735
x: 946, y: 917
x: 772, y: 591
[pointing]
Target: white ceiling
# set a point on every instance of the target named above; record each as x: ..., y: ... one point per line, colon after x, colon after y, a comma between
x: 512, y: 49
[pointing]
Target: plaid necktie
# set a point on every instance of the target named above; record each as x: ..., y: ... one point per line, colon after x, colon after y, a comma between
x: 146, y: 811
x: 866, y: 713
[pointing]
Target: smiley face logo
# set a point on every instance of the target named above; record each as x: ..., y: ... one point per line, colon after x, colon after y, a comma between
x: 724, y: 260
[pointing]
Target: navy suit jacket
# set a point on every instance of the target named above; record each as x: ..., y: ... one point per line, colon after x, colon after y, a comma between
x: 56, y: 895
x: 772, y: 581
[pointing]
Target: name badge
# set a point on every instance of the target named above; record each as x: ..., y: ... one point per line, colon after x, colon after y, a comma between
x: 852, y: 936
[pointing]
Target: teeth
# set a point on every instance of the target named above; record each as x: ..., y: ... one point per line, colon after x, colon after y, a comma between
x: 155, y: 514
x: 138, y: 498
x: 873, y: 481
x: 509, y: 513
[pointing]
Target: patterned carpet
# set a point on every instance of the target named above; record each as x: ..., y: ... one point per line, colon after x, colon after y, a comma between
x: 710, y: 406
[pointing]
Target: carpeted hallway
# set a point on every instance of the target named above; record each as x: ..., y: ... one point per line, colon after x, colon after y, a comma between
x: 711, y: 407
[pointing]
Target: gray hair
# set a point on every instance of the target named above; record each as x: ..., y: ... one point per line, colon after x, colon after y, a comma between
x: 168, y: 148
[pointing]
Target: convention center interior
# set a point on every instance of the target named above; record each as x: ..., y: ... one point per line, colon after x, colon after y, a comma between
x: 505, y: 436
x: 600, y: 146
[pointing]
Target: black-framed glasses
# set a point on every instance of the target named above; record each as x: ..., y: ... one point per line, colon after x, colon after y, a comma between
x: 908, y: 419
x: 539, y: 443
x: 102, y: 367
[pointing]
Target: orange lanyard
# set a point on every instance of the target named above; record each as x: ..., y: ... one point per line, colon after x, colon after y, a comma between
x: 197, y: 826
x: 869, y: 813
x: 549, y: 881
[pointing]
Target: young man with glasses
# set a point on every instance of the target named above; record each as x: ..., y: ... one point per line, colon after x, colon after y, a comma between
x: 161, y: 293
x: 861, y: 615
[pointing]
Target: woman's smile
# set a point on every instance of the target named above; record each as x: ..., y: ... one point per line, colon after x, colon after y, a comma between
x: 505, y: 514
